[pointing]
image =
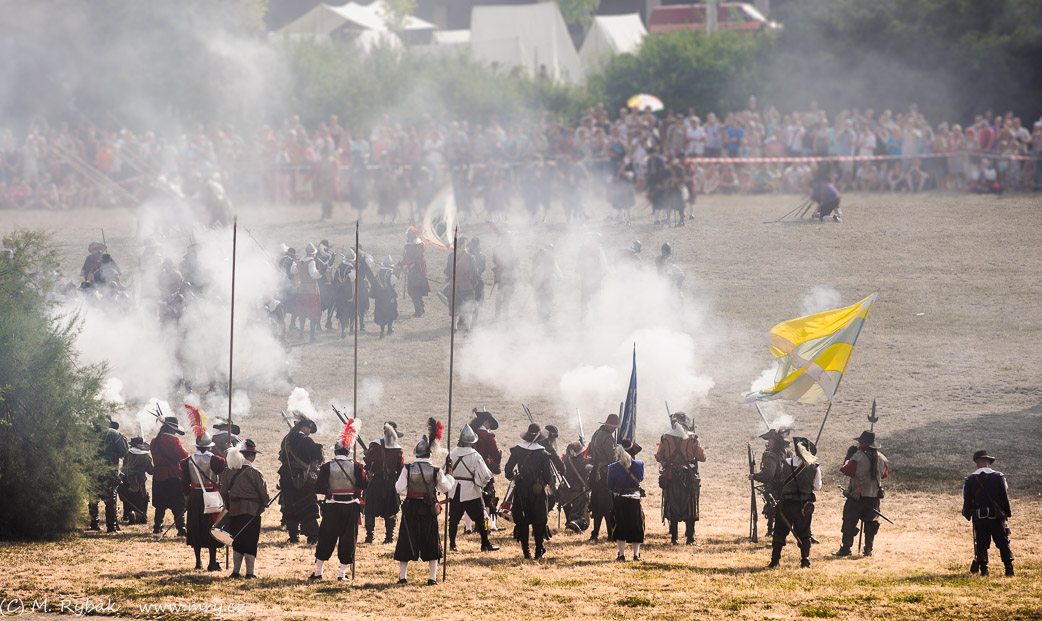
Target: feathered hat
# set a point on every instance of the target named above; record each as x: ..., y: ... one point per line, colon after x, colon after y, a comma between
x: 391, y: 435
x: 235, y: 458
x: 197, y: 420
x: 806, y: 450
x: 429, y: 442
x: 623, y: 457
x: 347, y: 436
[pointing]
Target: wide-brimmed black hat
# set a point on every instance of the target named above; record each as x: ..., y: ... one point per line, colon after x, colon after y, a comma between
x: 220, y: 423
x: 807, y: 443
x: 484, y: 416
x: 303, y: 422
x: 171, y: 422
x: 249, y: 447
x: 631, y: 447
x: 982, y: 454
x: 137, y: 441
x: 551, y: 430
x: 774, y: 434
x: 868, y: 439
x: 394, y: 426
x: 532, y: 434
x: 612, y: 421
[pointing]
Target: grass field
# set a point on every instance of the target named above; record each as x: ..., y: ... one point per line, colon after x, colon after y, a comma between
x: 951, y: 352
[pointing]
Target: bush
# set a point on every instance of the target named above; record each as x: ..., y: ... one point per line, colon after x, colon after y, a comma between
x: 48, y: 452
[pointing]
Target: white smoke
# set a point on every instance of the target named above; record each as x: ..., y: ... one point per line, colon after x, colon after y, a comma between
x: 820, y: 298
x: 299, y: 402
x: 587, y: 363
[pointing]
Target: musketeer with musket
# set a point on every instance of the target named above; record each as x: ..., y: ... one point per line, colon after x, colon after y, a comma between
x: 602, y: 454
x: 770, y: 475
x: 795, y: 509
x: 484, y: 426
x: 867, y: 468
x: 678, y: 455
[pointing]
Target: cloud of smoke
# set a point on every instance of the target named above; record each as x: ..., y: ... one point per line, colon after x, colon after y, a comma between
x: 820, y: 298
x: 587, y: 363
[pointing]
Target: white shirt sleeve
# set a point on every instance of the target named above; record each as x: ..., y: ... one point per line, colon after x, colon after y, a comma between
x: 293, y: 268
x: 313, y: 271
x: 446, y: 482
x: 402, y: 485
x: 817, y: 478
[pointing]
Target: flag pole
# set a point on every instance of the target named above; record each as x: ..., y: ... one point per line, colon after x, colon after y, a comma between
x: 231, y: 345
x: 823, y: 423
x: 452, y: 351
x: 231, y: 329
x: 354, y: 390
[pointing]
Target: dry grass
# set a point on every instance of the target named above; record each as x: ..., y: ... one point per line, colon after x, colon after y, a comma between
x: 962, y: 375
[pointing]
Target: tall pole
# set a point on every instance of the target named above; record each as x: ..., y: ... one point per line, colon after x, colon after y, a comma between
x: 231, y: 345
x: 452, y: 351
x: 823, y: 424
x: 354, y: 391
x: 231, y: 329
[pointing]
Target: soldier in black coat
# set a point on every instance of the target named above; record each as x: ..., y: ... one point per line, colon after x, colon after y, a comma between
x: 529, y: 468
x: 300, y: 457
x: 986, y: 504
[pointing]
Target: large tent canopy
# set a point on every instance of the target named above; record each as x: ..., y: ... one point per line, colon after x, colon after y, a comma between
x: 325, y: 20
x: 527, y: 36
x: 610, y: 35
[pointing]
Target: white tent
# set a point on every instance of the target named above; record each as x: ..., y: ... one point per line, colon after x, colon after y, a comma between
x: 610, y: 35
x: 526, y: 36
x: 324, y: 20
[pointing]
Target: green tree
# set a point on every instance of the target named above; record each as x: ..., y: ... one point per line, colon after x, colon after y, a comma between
x: 397, y: 13
x: 578, y: 11
x: 48, y: 402
x: 714, y: 72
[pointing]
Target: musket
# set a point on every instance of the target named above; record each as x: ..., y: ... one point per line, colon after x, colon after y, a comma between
x: 762, y: 417
x: 771, y: 500
x: 557, y: 474
x: 286, y: 418
x: 582, y: 435
x: 105, y: 243
x: 872, y: 418
x: 670, y: 414
x: 876, y: 511
x: 343, y: 419
x: 753, y: 513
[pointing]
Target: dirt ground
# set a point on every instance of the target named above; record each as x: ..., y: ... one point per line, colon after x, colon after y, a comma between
x: 951, y: 351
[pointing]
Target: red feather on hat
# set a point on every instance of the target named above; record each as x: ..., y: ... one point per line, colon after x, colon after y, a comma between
x: 434, y: 430
x: 349, y: 433
x: 197, y: 418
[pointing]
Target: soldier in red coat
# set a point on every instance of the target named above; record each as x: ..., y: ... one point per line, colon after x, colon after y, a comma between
x: 167, y: 454
x: 414, y: 263
x: 483, y: 425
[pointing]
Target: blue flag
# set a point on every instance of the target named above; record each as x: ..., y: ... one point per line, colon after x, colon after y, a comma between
x: 629, y: 412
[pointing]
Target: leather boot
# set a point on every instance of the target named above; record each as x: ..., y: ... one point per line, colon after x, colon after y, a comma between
x: 673, y: 533
x: 389, y: 533
x: 805, y: 555
x: 775, y: 557
x: 294, y: 532
x: 368, y: 535
x: 871, y: 529
x: 486, y: 544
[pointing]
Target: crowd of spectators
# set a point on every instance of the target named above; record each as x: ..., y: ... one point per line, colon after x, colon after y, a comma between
x: 393, y: 165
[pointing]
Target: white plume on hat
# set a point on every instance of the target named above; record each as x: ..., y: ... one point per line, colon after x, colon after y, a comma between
x: 623, y: 457
x: 235, y: 458
x: 390, y: 436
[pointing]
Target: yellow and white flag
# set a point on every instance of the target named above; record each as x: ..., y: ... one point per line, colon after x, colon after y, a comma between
x: 812, y: 354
